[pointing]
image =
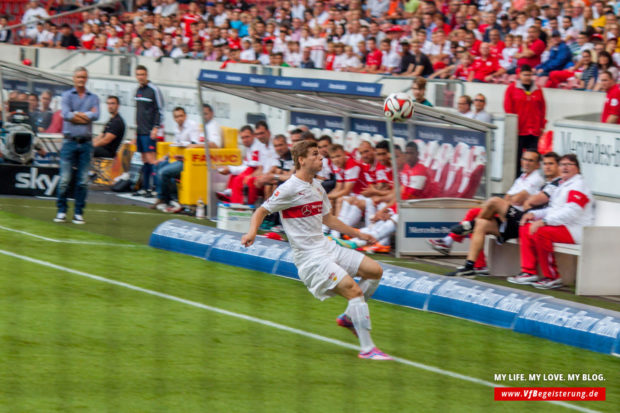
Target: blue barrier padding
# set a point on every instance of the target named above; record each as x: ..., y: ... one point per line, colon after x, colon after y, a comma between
x: 263, y: 255
x: 540, y: 315
x: 570, y: 323
x: 406, y: 287
x: 285, y: 266
x: 480, y: 302
x: 184, y: 237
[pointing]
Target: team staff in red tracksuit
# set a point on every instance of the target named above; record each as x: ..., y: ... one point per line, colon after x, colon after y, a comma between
x: 570, y: 209
x: 526, y: 100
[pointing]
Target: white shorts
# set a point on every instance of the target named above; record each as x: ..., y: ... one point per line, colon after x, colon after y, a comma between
x: 321, y: 274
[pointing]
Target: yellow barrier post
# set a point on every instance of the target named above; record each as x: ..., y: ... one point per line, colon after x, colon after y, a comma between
x: 193, y: 184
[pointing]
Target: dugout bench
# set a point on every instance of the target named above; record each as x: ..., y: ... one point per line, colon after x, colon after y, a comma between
x: 592, y: 266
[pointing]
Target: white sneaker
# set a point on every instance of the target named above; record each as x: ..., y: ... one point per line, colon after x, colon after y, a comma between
x: 60, y: 217
x: 162, y: 207
x: 78, y: 219
x: 523, y: 278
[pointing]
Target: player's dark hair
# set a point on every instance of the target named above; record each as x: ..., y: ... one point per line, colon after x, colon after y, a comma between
x: 207, y: 106
x: 383, y: 145
x: 261, y: 123
x: 552, y: 155
x: 412, y: 144
x: 296, y: 131
x: 142, y: 67
x: 178, y: 108
x: 532, y: 150
x: 326, y: 138
x: 118, y: 102
x: 573, y: 158
x: 308, y: 136
x: 335, y: 148
x: 300, y: 150
x: 246, y: 127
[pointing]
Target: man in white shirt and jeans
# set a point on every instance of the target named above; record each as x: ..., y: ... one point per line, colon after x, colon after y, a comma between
x: 325, y: 268
x: 186, y: 134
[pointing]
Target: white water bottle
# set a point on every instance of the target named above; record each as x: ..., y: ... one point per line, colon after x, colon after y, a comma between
x: 200, y: 209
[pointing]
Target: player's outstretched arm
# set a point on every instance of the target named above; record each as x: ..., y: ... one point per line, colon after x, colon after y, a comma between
x: 257, y: 219
x: 334, y: 223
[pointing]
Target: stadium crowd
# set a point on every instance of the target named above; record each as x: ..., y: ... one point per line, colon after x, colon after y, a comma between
x: 568, y: 44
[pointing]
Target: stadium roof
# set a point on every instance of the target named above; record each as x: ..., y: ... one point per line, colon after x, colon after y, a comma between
x: 322, y: 96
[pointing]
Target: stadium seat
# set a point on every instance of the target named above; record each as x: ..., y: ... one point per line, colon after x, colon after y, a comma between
x: 338, y: 137
x: 351, y: 141
x: 376, y: 138
x: 291, y: 128
x: 316, y: 132
x: 327, y: 131
x: 401, y: 143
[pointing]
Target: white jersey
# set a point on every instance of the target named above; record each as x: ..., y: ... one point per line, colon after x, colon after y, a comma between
x: 571, y: 205
x: 251, y: 158
x: 302, y: 207
x: 527, y: 182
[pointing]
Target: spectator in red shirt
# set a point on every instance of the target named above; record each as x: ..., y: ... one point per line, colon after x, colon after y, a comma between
x: 530, y: 52
x: 496, y: 44
x: 526, y: 100
x: 611, y: 110
x: 485, y: 68
x: 374, y: 56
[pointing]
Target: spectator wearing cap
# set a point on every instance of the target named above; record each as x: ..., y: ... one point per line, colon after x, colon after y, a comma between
x: 524, y: 99
x: 560, y: 56
x: 532, y: 49
x: 611, y: 110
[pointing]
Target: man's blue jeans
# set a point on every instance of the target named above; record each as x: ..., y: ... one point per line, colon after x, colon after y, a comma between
x: 74, y: 155
x: 167, y: 174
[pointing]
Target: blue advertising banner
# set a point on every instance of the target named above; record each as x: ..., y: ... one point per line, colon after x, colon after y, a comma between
x: 263, y: 255
x: 480, y: 302
x: 184, y: 237
x: 574, y: 324
x: 450, y: 135
x: 291, y: 83
x: 317, y: 121
x: 406, y: 287
x: 368, y: 126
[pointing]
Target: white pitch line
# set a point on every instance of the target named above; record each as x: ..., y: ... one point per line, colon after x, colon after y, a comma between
x: 69, y: 241
x: 89, y: 210
x: 278, y: 326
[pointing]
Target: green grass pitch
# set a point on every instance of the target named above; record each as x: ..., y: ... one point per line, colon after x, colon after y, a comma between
x: 71, y: 343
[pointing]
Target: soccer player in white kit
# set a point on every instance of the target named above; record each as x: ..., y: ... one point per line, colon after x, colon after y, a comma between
x: 325, y: 268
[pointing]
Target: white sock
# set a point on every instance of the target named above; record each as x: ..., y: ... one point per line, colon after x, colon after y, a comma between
x: 384, y: 231
x: 357, y: 310
x: 358, y: 242
x: 448, y: 240
x: 344, y: 211
x: 326, y: 229
x: 354, y: 216
x: 369, y: 286
x: 371, y: 210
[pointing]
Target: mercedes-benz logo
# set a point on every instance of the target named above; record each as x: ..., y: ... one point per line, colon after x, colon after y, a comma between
x: 306, y: 210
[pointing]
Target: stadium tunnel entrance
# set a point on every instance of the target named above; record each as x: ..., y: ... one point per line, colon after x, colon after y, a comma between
x: 453, y: 148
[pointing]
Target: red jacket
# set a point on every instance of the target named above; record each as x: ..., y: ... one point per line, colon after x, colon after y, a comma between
x: 529, y: 106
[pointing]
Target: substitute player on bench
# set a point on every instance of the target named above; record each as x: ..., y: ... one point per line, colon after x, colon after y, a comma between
x: 325, y: 268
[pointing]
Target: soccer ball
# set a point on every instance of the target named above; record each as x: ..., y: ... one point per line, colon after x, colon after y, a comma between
x: 398, y: 106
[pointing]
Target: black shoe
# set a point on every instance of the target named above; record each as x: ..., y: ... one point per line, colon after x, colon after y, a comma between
x: 139, y: 192
x: 462, y: 272
x: 149, y: 194
x: 464, y: 228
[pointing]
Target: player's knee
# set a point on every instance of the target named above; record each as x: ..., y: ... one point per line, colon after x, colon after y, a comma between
x: 371, y: 269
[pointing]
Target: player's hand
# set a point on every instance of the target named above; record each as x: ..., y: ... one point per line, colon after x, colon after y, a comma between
x: 154, y: 133
x: 367, y: 237
x: 224, y: 170
x: 535, y: 225
x: 248, y: 239
x: 526, y: 218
